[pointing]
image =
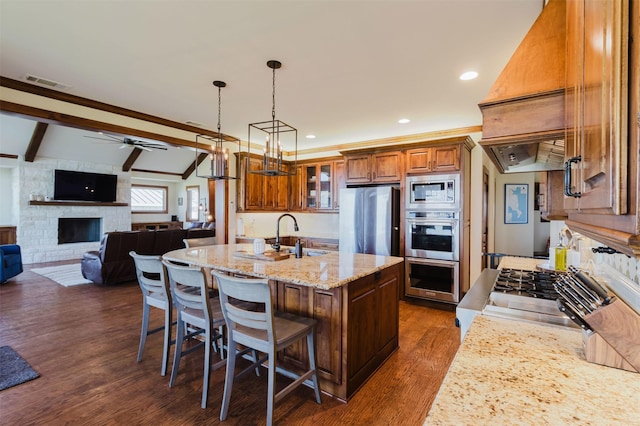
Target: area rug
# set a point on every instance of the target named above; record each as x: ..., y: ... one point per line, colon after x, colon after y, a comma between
x: 14, y: 369
x: 66, y: 275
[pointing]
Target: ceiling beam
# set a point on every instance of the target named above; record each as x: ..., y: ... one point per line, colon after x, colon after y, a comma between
x: 193, y: 166
x: 53, y: 117
x: 135, y: 153
x: 36, y: 140
x: 101, y: 106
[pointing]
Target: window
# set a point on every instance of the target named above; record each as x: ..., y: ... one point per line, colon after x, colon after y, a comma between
x: 193, y: 208
x: 149, y: 199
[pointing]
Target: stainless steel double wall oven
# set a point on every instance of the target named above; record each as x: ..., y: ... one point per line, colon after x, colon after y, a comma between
x: 432, y: 240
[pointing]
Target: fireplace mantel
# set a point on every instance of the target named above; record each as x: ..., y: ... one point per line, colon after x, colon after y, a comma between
x: 76, y: 203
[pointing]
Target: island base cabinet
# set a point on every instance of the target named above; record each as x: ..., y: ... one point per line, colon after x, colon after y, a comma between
x: 357, y: 328
x: 324, y: 306
x: 372, y: 324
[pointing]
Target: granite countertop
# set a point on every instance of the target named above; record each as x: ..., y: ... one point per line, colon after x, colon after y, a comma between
x: 524, y: 263
x: 511, y: 372
x: 327, y: 271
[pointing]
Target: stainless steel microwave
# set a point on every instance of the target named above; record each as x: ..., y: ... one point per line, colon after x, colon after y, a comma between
x: 430, y: 192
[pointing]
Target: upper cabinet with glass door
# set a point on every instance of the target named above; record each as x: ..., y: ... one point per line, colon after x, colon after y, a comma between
x: 319, y: 186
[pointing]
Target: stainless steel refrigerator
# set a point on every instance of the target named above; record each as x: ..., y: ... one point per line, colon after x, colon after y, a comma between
x: 370, y: 220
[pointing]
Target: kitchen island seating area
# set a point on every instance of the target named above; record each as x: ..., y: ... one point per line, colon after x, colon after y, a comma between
x: 267, y: 332
x: 202, y: 318
x: 309, y: 317
x: 353, y: 297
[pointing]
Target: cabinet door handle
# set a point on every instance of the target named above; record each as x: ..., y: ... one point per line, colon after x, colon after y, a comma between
x: 368, y: 175
x: 374, y: 175
x: 567, y: 177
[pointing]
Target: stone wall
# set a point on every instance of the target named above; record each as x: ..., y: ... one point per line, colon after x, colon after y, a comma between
x: 37, y: 230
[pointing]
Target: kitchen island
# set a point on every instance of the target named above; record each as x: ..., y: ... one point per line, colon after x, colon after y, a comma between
x: 354, y: 298
x: 513, y: 372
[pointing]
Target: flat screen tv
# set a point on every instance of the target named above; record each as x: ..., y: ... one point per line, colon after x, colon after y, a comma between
x: 83, y: 186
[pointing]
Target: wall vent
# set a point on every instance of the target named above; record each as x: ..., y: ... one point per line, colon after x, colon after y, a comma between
x: 46, y: 82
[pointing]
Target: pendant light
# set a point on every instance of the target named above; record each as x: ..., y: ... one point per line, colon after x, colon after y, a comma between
x: 213, y: 146
x: 275, y: 134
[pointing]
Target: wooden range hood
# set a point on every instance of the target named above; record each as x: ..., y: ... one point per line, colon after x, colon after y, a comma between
x: 523, y: 121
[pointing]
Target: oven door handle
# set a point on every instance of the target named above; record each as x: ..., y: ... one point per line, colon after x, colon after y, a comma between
x: 419, y: 221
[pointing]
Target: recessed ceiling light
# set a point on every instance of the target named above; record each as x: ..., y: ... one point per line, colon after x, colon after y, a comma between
x: 469, y: 75
x: 311, y: 136
x: 404, y: 121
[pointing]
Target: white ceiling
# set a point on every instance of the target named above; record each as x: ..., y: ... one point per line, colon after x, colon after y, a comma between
x: 350, y: 70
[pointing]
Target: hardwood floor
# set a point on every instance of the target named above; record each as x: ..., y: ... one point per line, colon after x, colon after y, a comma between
x: 83, y: 341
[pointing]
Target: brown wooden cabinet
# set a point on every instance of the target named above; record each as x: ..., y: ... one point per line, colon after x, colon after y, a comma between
x: 325, y: 307
x: 256, y: 192
x: 377, y: 167
x: 370, y: 345
x: 602, y: 107
x: 276, y: 191
x: 440, y: 159
x: 339, y: 182
x: 357, y: 327
x: 551, y: 198
x: 313, y: 186
x: 596, y: 105
x: 7, y: 235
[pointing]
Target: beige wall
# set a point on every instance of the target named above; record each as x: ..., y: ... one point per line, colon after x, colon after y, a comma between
x: 514, y: 239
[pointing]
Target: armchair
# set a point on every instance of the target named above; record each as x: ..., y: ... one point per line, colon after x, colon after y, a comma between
x: 10, y: 261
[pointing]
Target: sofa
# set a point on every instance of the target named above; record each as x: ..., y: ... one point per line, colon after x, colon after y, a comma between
x: 10, y: 261
x: 111, y: 264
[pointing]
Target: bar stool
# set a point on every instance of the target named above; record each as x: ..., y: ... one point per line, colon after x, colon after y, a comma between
x: 197, y: 314
x: 156, y: 293
x: 268, y: 332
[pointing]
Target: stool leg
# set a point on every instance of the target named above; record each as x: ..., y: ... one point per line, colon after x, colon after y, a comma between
x: 208, y: 343
x: 312, y: 364
x: 271, y: 386
x: 168, y: 314
x: 145, y: 327
x: 228, y: 378
x: 177, y: 354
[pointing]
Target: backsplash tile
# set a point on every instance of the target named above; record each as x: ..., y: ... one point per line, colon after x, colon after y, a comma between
x: 628, y: 266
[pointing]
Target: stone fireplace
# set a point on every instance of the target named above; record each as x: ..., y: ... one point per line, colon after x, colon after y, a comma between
x: 79, y: 229
x: 39, y: 230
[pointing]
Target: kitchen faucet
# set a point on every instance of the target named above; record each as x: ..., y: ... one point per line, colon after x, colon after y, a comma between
x: 276, y: 245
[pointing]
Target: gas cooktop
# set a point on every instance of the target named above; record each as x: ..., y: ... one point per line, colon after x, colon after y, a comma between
x: 519, y: 282
x: 526, y: 295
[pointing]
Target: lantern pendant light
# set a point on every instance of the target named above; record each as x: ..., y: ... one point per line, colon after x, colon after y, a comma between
x: 276, y: 134
x: 213, y: 146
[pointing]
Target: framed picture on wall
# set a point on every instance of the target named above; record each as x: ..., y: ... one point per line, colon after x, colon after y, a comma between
x: 516, y: 203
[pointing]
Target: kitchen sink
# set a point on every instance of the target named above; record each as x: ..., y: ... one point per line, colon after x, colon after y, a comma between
x: 305, y: 252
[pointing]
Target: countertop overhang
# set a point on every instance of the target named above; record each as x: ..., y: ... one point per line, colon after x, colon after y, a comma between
x: 512, y: 372
x: 327, y: 271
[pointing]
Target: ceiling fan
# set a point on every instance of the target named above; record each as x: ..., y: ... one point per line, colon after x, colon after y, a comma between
x: 129, y: 142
